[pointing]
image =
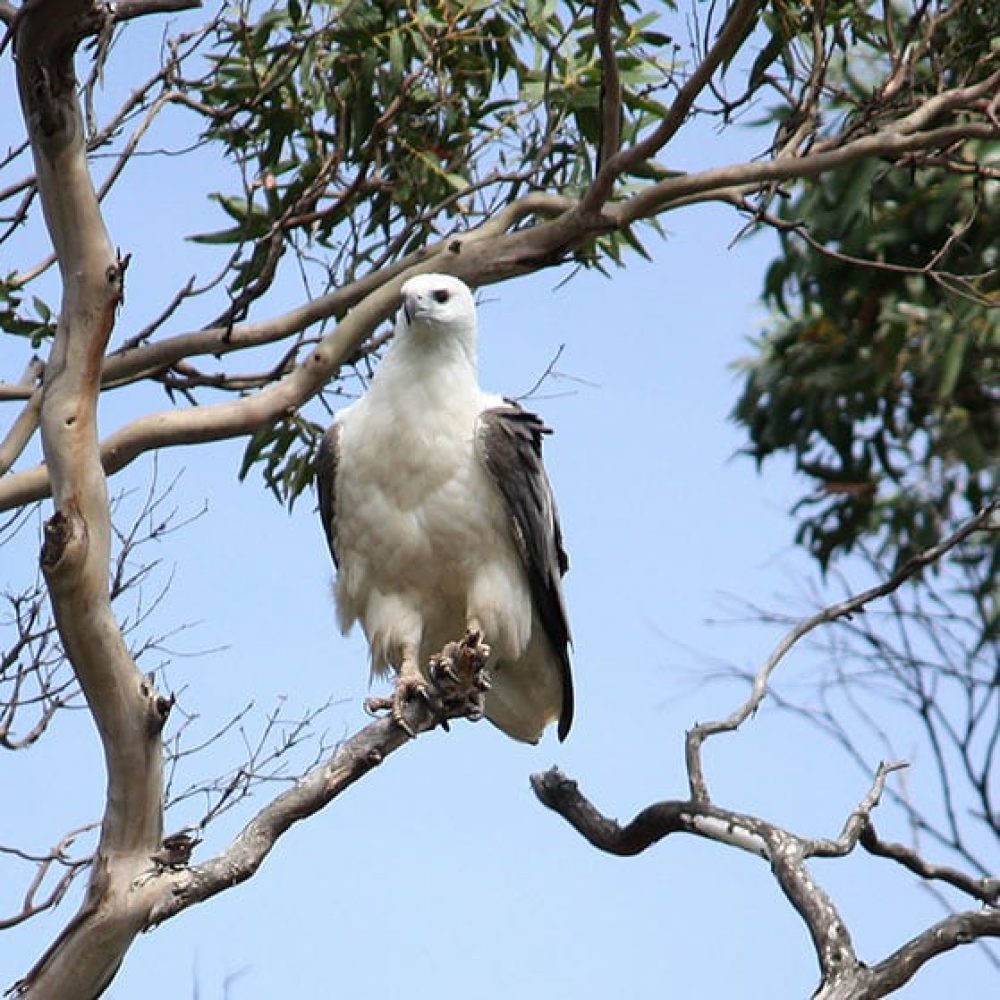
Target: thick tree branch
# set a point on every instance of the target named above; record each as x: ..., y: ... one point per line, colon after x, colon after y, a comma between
x: 830, y: 936
x: 957, y: 929
x: 75, y: 557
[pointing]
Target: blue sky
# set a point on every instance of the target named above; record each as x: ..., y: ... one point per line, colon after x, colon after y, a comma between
x: 440, y: 875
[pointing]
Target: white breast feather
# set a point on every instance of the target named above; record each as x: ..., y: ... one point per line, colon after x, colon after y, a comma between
x: 423, y: 536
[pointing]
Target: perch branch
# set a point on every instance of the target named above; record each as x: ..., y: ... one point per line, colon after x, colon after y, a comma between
x: 166, y: 892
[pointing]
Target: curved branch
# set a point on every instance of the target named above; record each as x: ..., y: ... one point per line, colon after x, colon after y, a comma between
x: 957, y: 929
x: 562, y: 795
x: 742, y: 178
x: 166, y: 892
x: 986, y: 890
x: 698, y: 734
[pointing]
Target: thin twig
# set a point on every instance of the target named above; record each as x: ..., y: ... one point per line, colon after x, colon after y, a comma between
x: 698, y: 734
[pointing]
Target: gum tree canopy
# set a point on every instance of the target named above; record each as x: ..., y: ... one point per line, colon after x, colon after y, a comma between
x: 360, y: 143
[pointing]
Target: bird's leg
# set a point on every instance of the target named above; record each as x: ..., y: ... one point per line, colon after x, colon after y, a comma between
x: 410, y: 683
x: 458, y: 681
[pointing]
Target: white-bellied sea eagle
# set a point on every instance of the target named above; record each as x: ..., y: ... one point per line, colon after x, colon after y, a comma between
x: 441, y: 520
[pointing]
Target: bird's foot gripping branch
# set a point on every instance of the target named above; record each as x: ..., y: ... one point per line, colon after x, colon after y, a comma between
x: 455, y: 688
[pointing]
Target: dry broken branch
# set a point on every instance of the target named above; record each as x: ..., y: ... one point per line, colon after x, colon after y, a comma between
x: 842, y: 975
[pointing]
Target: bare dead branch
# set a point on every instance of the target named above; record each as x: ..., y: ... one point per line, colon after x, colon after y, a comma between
x: 923, y: 653
x: 858, y: 821
x: 947, y: 934
x: 831, y: 939
x: 843, y: 976
x: 786, y: 852
x: 42, y: 893
x: 986, y: 890
x: 698, y: 734
x: 563, y: 796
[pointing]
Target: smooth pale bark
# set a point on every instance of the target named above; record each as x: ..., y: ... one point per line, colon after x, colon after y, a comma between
x: 127, y: 712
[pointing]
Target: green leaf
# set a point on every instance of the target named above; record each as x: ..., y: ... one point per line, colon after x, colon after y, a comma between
x: 954, y: 359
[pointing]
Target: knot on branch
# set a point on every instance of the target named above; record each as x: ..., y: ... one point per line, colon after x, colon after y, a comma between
x: 114, y: 275
x: 158, y: 706
x: 65, y: 542
x: 175, y: 851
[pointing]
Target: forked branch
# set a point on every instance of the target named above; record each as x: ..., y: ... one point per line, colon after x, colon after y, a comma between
x: 842, y: 975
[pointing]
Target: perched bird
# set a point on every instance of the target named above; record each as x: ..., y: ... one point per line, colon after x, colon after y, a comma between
x: 440, y: 518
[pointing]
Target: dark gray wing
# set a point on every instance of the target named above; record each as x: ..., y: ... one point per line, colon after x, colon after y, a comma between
x: 326, y: 476
x: 511, y: 443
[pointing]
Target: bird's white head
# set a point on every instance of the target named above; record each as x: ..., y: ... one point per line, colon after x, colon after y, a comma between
x: 437, y: 303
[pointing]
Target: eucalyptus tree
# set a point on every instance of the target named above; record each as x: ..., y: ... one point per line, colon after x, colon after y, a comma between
x: 367, y: 142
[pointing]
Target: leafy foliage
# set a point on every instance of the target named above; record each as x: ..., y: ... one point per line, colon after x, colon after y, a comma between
x: 14, y: 319
x: 364, y: 131
x: 883, y: 382
x: 367, y: 129
x: 880, y: 373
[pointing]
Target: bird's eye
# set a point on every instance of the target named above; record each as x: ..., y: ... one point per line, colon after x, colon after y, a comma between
x: 441, y: 295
